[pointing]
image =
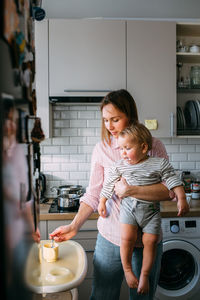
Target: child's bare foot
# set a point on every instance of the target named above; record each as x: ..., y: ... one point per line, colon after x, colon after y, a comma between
x: 131, y: 279
x: 143, y: 286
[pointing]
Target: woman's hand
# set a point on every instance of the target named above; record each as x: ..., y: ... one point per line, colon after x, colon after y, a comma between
x: 121, y: 188
x: 63, y: 233
x: 102, y: 209
x: 36, y: 235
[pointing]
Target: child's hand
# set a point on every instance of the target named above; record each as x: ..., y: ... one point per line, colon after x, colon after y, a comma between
x: 183, y: 207
x: 102, y: 209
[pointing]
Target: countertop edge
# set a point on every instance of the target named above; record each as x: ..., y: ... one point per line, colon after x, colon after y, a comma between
x: 168, y: 210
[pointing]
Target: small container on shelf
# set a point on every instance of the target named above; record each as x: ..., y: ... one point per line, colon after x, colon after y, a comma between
x: 195, y: 77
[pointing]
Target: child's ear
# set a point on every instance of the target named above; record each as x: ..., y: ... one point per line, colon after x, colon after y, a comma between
x: 144, y: 148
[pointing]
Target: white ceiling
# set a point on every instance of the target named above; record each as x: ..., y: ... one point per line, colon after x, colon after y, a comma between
x: 148, y: 9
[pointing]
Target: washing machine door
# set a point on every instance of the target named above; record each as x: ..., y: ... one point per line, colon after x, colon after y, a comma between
x: 180, y: 271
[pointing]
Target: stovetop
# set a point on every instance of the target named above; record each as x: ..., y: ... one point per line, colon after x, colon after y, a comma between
x: 54, y: 208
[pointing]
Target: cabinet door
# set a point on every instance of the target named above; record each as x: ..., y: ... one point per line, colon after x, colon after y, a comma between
x: 86, y: 55
x: 151, y: 72
x: 43, y: 230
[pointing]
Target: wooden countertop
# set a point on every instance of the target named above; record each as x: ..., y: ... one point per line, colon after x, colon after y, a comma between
x: 168, y: 209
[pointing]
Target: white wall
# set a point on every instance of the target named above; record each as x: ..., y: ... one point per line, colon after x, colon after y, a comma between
x: 122, y: 8
x: 66, y: 157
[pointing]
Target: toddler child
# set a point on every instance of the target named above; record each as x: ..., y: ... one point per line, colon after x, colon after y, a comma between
x: 140, y: 169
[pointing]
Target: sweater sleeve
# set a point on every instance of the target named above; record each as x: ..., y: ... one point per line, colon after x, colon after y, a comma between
x: 158, y: 150
x: 92, y: 194
x: 169, y: 176
x: 109, y: 183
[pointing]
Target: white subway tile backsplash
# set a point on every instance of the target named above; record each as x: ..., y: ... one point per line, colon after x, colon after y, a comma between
x: 92, y: 140
x: 51, y: 167
x: 187, y: 148
x: 66, y: 157
x: 179, y: 141
x: 175, y: 164
x: 61, y: 175
x: 60, y: 107
x: 98, y: 115
x: 69, y: 149
x: 69, y: 132
x: 194, y: 141
x: 69, y: 115
x: 84, y: 166
x: 179, y: 157
x: 60, y: 158
x: 172, y: 148
x: 46, y: 142
x: 46, y: 158
x: 78, y: 107
x: 56, y: 115
x: 86, y: 115
x: 78, y: 175
x: 61, y: 123
x: 56, y: 132
x: 51, y: 150
x: 198, y: 165
x: 68, y: 167
x: 78, y: 140
x: 78, y: 158
x: 78, y: 123
x: 85, y: 149
x: 86, y: 132
x: 194, y: 156
x: 186, y: 165
x: 93, y: 123
x: 61, y: 141
x: 93, y: 107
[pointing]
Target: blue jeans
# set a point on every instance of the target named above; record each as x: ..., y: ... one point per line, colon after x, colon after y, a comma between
x: 108, y: 271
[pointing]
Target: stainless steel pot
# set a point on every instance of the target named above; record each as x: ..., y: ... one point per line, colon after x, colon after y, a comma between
x: 68, y: 195
x: 68, y: 201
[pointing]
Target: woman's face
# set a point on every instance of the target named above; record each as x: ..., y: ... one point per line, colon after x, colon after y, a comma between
x: 115, y: 120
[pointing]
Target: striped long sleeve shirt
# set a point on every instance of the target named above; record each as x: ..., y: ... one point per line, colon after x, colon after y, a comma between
x: 152, y: 170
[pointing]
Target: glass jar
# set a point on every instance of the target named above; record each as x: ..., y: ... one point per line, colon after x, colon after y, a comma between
x: 195, y: 76
x: 187, y: 179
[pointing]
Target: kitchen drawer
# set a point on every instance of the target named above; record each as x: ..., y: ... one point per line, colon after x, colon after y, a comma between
x: 90, y: 225
x: 87, y: 244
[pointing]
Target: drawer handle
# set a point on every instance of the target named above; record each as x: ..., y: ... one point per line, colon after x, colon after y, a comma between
x: 87, y: 91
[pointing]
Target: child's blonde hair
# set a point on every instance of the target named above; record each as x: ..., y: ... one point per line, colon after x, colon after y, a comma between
x: 139, y: 133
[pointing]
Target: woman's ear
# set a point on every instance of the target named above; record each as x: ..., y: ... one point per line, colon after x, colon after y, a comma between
x: 144, y: 148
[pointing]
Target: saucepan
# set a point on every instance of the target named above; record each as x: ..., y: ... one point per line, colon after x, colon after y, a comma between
x: 68, y: 195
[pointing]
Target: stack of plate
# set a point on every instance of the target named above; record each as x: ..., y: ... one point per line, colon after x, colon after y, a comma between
x: 192, y: 114
x: 181, y: 124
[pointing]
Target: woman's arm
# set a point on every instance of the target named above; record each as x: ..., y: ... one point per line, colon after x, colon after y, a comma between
x: 155, y: 192
x: 64, y: 233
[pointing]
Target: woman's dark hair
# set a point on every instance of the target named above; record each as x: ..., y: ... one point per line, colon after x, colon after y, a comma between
x: 123, y: 101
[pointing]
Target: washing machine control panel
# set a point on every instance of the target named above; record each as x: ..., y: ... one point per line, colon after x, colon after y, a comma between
x: 173, y: 227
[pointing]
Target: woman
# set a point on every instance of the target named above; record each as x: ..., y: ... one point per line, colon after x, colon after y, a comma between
x: 118, y: 111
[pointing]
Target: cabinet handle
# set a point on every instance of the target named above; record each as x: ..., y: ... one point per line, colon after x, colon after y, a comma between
x: 87, y: 91
x: 171, y: 124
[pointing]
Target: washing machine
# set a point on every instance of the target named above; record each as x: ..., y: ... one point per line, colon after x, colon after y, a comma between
x: 180, y: 268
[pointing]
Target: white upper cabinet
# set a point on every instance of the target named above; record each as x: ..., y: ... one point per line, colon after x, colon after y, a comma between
x: 86, y: 56
x: 151, y: 73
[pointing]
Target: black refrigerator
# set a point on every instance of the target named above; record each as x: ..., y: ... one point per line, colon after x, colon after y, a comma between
x: 19, y: 151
